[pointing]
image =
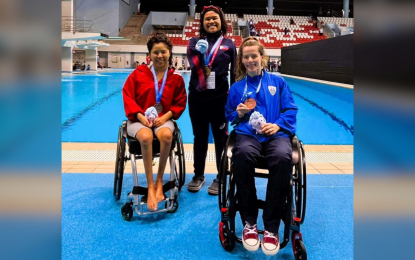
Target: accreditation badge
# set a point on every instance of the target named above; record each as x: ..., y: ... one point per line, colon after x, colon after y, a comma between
x: 210, y: 82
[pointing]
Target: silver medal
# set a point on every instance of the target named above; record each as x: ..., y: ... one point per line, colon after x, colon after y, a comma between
x: 158, y: 107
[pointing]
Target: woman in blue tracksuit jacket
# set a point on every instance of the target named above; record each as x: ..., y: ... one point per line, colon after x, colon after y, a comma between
x: 262, y: 106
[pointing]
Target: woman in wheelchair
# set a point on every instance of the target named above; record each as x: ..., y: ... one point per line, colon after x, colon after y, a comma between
x: 263, y: 109
x: 159, y: 91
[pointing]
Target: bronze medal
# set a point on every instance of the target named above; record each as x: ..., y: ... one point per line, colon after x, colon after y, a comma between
x: 250, y: 103
x: 207, y: 71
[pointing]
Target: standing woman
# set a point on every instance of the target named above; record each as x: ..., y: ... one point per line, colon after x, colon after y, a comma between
x: 158, y: 89
x: 209, y: 57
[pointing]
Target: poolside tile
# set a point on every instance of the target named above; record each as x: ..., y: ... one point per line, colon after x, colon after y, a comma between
x: 325, y: 167
x: 89, y: 163
x: 106, y: 166
x: 80, y: 170
x: 84, y: 166
x: 344, y: 167
x: 331, y: 171
x: 312, y: 171
x: 210, y: 168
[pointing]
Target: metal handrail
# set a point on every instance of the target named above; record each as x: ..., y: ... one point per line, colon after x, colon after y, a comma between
x: 336, y: 14
x: 76, y: 24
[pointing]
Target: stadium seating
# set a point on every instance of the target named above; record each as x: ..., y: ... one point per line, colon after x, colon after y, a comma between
x: 271, y: 29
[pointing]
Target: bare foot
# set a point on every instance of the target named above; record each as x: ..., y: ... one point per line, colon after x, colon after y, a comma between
x: 159, y: 190
x: 151, y: 199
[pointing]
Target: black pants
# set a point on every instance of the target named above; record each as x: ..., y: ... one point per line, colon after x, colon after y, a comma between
x: 205, y: 112
x: 278, y: 155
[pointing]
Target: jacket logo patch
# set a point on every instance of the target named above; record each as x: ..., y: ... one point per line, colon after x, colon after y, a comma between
x: 272, y: 90
x: 224, y: 47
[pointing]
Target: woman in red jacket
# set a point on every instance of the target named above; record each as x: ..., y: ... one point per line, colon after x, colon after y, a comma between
x: 149, y: 89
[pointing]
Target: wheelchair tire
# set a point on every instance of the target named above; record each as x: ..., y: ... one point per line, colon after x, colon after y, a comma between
x: 181, y: 169
x: 174, y: 208
x: 298, y: 193
x: 222, y: 195
x: 300, y: 251
x: 119, y: 165
x: 127, y: 211
x: 304, y: 187
x: 226, y: 238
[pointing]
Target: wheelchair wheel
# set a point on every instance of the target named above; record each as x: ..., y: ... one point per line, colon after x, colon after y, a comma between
x: 226, y: 237
x: 175, y: 206
x: 119, y: 165
x: 180, y: 159
x: 300, y: 184
x: 304, y: 182
x: 222, y: 196
x: 300, y: 252
x: 127, y: 211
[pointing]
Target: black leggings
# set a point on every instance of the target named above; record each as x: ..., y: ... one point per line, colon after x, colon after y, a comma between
x: 202, y: 113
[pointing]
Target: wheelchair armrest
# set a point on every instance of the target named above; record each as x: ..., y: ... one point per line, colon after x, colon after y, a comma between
x: 295, y: 144
x: 176, y: 127
x: 124, y: 128
x: 230, y: 143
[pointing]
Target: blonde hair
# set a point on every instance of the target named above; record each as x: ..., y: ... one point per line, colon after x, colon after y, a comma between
x: 240, y: 68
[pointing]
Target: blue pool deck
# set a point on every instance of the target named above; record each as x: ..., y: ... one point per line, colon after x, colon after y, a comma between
x: 92, y: 226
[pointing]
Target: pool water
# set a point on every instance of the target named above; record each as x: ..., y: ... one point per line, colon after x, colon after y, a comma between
x: 92, y: 110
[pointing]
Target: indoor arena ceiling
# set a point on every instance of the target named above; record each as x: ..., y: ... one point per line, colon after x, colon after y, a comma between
x: 240, y: 7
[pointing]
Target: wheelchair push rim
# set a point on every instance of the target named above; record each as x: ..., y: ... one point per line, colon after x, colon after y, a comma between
x: 119, y: 165
x: 180, y: 158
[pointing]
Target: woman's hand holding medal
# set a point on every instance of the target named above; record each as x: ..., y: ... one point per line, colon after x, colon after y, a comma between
x: 242, y: 109
x: 246, y: 107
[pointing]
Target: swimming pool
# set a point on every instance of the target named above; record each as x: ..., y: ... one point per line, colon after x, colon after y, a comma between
x: 92, y: 109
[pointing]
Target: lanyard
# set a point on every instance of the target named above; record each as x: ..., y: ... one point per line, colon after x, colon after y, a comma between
x: 156, y: 84
x: 213, y: 52
x: 259, y: 85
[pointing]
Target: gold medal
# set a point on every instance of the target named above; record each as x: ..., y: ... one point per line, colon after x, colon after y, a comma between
x: 207, y: 71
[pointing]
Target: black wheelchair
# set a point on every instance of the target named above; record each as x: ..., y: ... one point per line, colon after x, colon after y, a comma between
x: 177, y: 173
x: 295, y: 206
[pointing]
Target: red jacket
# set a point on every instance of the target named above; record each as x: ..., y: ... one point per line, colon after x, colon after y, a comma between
x: 139, y: 93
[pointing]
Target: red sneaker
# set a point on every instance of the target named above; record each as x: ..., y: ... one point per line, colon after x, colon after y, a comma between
x: 250, y: 238
x: 270, y: 243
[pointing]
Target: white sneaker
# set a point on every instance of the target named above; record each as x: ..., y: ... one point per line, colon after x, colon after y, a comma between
x: 250, y: 238
x: 270, y: 243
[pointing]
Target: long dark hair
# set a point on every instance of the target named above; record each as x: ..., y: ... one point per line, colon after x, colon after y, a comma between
x: 160, y: 38
x: 224, y: 25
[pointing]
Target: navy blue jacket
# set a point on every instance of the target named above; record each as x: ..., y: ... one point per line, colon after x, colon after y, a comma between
x: 226, y: 54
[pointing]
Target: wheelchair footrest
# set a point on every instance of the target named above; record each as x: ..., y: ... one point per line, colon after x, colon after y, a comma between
x: 144, y: 198
x: 144, y: 191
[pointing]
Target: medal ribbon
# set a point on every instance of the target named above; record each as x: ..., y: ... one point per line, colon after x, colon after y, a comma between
x: 213, y: 53
x: 259, y: 85
x: 156, y: 83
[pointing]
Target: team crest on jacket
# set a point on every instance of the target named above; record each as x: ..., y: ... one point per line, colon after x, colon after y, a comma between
x: 224, y: 47
x: 272, y: 90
